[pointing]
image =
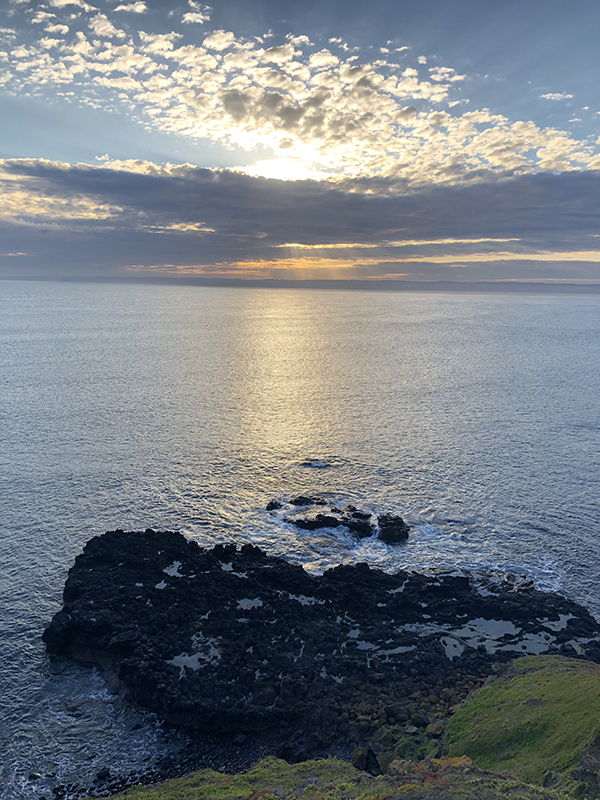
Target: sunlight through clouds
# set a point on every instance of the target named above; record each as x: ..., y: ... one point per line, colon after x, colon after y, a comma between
x: 335, y: 157
x: 320, y: 112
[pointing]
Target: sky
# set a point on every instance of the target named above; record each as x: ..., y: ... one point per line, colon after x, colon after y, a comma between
x: 389, y: 140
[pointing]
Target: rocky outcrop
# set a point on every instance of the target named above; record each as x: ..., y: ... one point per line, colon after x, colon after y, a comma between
x: 392, y: 529
x: 231, y: 640
x: 389, y: 528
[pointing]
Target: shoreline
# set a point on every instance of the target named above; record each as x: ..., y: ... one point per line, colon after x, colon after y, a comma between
x: 355, y: 663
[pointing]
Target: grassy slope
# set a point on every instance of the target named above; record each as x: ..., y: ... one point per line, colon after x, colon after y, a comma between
x: 272, y: 779
x: 535, y: 719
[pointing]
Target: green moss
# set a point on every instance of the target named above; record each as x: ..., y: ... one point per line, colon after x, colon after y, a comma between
x: 269, y: 778
x: 336, y: 780
x: 536, y: 719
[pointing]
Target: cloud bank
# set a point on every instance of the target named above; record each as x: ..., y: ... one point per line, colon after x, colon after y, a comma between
x: 135, y: 218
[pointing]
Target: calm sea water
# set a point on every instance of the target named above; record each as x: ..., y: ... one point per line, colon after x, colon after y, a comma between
x: 475, y: 417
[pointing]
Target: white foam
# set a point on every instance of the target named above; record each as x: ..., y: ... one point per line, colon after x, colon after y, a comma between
x: 492, y: 634
x: 324, y: 674
x: 300, y: 654
x: 577, y: 647
x: 421, y: 629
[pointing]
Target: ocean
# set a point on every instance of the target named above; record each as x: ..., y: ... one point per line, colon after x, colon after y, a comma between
x: 475, y: 417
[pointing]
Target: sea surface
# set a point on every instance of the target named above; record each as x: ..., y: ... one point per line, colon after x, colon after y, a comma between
x: 476, y: 417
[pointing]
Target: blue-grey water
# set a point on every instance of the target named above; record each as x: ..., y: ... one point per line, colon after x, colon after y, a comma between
x: 476, y: 417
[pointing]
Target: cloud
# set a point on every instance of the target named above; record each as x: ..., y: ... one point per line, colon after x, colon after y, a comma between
x: 223, y: 222
x: 123, y: 83
x: 136, y: 8
x: 57, y: 28
x: 27, y: 201
x: 556, y: 96
x: 219, y: 40
x: 79, y: 3
x: 196, y: 17
x: 445, y: 74
x: 300, y: 41
x: 102, y: 26
x: 42, y: 16
x: 277, y: 55
x: 47, y: 43
x: 122, y: 58
x: 336, y: 117
x: 323, y: 59
x: 158, y: 44
x: 199, y: 14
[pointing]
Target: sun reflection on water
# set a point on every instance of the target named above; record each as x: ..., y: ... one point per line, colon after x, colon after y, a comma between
x: 288, y: 384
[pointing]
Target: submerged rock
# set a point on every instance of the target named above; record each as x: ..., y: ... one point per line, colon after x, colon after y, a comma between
x: 318, y: 521
x: 231, y: 640
x: 389, y: 528
x: 303, y: 500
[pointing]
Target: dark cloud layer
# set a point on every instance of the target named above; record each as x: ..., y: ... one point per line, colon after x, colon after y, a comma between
x: 210, y: 218
x: 310, y: 212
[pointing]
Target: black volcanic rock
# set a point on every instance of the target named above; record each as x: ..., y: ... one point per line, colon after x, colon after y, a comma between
x: 231, y: 640
x: 318, y: 521
x: 389, y: 528
x: 392, y: 529
x: 303, y: 500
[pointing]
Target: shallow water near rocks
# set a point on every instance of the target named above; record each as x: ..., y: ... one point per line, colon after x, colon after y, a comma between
x: 474, y: 417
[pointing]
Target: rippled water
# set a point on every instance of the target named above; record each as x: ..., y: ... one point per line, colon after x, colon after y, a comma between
x: 476, y: 417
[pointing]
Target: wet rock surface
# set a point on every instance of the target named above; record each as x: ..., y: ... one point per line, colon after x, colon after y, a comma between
x: 306, y: 513
x: 231, y: 641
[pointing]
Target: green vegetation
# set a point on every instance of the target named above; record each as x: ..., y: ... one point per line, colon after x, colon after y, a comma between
x: 537, y: 718
x: 330, y: 779
x: 539, y: 721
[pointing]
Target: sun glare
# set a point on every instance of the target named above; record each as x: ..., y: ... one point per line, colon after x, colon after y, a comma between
x: 286, y: 168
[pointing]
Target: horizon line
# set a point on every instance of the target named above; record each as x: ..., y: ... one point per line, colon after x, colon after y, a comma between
x: 509, y: 287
